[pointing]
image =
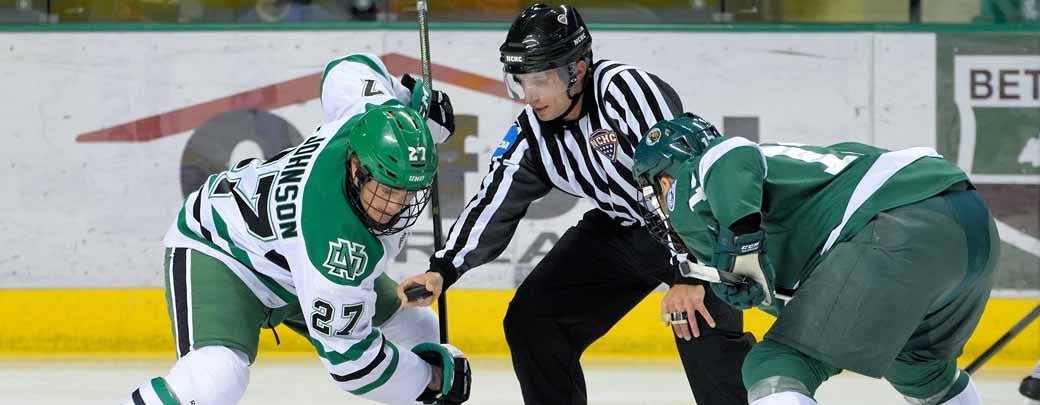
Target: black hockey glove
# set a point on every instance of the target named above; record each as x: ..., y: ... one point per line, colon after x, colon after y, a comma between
x: 437, y: 109
x: 456, y: 376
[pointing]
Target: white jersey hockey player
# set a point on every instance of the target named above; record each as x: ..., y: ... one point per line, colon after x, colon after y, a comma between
x: 304, y: 239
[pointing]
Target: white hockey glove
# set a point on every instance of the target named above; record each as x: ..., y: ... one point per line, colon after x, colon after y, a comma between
x: 436, y: 107
x: 456, y: 376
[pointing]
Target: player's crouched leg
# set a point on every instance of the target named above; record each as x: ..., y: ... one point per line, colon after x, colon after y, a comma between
x: 216, y: 323
x: 209, y: 375
x: 931, y: 382
x: 409, y: 327
x: 776, y: 374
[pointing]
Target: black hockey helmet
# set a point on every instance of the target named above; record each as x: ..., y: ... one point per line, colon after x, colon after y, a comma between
x: 543, y: 38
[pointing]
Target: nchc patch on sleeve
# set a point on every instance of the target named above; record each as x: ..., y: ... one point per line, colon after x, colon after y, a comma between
x: 507, y: 141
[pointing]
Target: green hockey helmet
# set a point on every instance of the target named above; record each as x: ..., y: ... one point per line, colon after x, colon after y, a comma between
x: 397, y: 163
x: 664, y: 148
x: 669, y: 144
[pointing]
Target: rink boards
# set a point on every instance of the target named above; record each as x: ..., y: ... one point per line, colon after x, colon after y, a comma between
x: 110, y: 129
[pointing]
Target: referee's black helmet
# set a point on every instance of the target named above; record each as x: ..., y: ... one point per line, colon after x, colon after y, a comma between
x: 544, y: 38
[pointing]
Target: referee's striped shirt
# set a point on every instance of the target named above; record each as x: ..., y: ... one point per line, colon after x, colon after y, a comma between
x: 590, y: 158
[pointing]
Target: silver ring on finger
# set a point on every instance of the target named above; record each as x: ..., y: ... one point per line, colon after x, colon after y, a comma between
x: 675, y: 318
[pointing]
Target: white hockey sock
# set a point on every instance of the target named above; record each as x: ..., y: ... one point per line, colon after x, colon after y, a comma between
x: 155, y: 391
x: 785, y: 398
x: 209, y: 375
x: 968, y: 396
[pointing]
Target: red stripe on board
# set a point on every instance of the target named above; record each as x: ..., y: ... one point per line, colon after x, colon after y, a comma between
x: 270, y: 97
x: 157, y: 126
x: 441, y: 73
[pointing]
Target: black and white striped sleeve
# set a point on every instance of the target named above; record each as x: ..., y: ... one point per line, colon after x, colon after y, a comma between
x: 487, y: 224
x: 635, y: 100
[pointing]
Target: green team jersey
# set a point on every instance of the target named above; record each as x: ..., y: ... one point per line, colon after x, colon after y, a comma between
x: 285, y: 228
x: 810, y: 197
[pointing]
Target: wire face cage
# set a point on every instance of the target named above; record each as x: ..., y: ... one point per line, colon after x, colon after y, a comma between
x: 383, y: 209
x: 656, y: 221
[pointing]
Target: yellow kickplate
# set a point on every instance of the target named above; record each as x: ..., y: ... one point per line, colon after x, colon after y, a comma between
x: 81, y: 321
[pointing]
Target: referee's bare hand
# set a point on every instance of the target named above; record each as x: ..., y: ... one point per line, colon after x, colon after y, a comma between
x: 688, y: 299
x: 432, y: 281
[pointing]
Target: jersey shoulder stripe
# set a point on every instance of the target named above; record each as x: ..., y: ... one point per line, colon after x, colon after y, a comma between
x: 720, y: 148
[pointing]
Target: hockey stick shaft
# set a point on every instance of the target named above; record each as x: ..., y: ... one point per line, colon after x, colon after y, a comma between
x: 712, y: 275
x: 1004, y: 340
x: 422, y: 8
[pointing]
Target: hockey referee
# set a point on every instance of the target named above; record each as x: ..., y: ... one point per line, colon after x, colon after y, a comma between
x: 577, y: 133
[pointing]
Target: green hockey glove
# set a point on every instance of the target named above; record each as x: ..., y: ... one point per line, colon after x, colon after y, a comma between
x: 456, y: 376
x: 744, y: 255
x: 436, y: 107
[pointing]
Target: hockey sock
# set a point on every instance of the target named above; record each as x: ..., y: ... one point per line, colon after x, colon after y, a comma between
x: 785, y: 398
x: 209, y: 375
x: 962, y: 392
x: 155, y: 391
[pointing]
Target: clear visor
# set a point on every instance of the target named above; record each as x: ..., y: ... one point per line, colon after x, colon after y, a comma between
x: 532, y: 85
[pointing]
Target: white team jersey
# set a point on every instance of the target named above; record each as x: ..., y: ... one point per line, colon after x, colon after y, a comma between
x: 357, y: 79
x: 286, y: 229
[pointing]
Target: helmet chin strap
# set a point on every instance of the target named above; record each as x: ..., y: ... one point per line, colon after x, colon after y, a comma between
x: 574, y: 102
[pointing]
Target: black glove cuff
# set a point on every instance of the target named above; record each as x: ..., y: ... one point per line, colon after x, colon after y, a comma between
x: 443, y: 267
x: 429, y: 396
x: 408, y: 82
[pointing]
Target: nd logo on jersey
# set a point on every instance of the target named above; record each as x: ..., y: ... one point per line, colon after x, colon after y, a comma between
x: 346, y: 259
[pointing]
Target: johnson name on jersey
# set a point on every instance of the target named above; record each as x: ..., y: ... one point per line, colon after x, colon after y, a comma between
x: 285, y: 228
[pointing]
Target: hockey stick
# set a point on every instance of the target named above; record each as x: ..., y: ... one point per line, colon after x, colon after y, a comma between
x: 710, y: 274
x: 1003, y: 341
x: 435, y: 203
x: 713, y: 275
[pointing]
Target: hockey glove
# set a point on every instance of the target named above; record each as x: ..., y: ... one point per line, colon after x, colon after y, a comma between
x: 455, y: 378
x: 744, y: 255
x: 436, y: 107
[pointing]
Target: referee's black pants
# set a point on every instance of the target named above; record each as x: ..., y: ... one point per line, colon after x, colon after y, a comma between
x: 593, y: 276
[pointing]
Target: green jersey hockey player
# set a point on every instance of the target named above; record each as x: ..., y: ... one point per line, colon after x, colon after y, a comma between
x: 874, y: 261
x: 302, y: 239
